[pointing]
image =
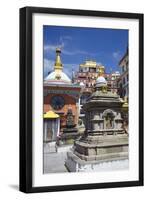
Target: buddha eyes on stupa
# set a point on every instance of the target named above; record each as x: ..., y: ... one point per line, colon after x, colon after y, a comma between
x: 58, y: 76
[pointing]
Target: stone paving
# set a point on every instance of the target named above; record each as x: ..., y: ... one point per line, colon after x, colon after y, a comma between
x: 54, y: 162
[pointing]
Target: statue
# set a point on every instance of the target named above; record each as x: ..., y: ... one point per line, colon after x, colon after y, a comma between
x: 108, y: 122
x: 70, y: 132
x: 70, y: 119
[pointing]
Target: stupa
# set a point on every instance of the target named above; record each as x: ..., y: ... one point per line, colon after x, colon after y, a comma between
x: 104, y: 144
x: 61, y: 97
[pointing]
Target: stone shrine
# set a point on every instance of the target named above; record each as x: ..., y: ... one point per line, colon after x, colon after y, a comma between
x: 104, y: 145
x: 70, y: 133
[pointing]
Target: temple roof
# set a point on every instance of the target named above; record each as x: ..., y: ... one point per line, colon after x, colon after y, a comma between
x: 50, y: 115
x: 89, y: 63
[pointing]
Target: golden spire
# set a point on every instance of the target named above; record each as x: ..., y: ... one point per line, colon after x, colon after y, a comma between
x: 125, y: 105
x: 101, y: 71
x: 58, y: 65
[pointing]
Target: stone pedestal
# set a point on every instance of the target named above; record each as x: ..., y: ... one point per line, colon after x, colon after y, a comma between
x: 98, y: 148
x: 75, y: 164
x: 69, y: 135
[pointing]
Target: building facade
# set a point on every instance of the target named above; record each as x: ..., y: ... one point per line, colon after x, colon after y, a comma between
x: 112, y: 81
x: 123, y: 81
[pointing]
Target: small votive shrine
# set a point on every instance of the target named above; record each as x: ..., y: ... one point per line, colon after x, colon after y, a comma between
x: 104, y: 145
x: 70, y: 133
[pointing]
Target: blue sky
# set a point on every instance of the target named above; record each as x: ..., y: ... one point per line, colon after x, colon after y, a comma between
x: 105, y: 46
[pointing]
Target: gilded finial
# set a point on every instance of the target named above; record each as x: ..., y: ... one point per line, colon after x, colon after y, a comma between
x: 101, y: 70
x: 58, y: 63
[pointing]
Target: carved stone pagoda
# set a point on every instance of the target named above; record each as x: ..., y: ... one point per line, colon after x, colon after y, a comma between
x: 105, y: 141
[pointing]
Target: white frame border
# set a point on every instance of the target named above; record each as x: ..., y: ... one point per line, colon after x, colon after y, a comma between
x: 40, y: 179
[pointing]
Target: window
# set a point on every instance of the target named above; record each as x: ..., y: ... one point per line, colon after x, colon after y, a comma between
x: 124, y: 93
x: 85, y: 69
x: 127, y: 77
x: 124, y: 81
x: 92, y: 69
x: 123, y: 69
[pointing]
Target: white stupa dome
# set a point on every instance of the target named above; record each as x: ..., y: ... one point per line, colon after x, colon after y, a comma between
x: 59, y: 78
x: 101, y: 81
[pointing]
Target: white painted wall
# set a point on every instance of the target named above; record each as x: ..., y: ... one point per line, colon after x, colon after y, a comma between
x: 9, y: 84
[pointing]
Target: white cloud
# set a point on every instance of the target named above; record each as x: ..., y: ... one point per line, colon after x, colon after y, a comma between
x: 52, y: 47
x: 116, y: 55
x: 48, y: 66
x: 67, y: 67
x: 63, y: 43
x: 65, y: 38
x: 74, y: 52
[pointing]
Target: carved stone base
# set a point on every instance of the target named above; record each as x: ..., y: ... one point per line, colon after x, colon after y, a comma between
x: 74, y: 164
x: 69, y: 136
x: 95, y: 151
